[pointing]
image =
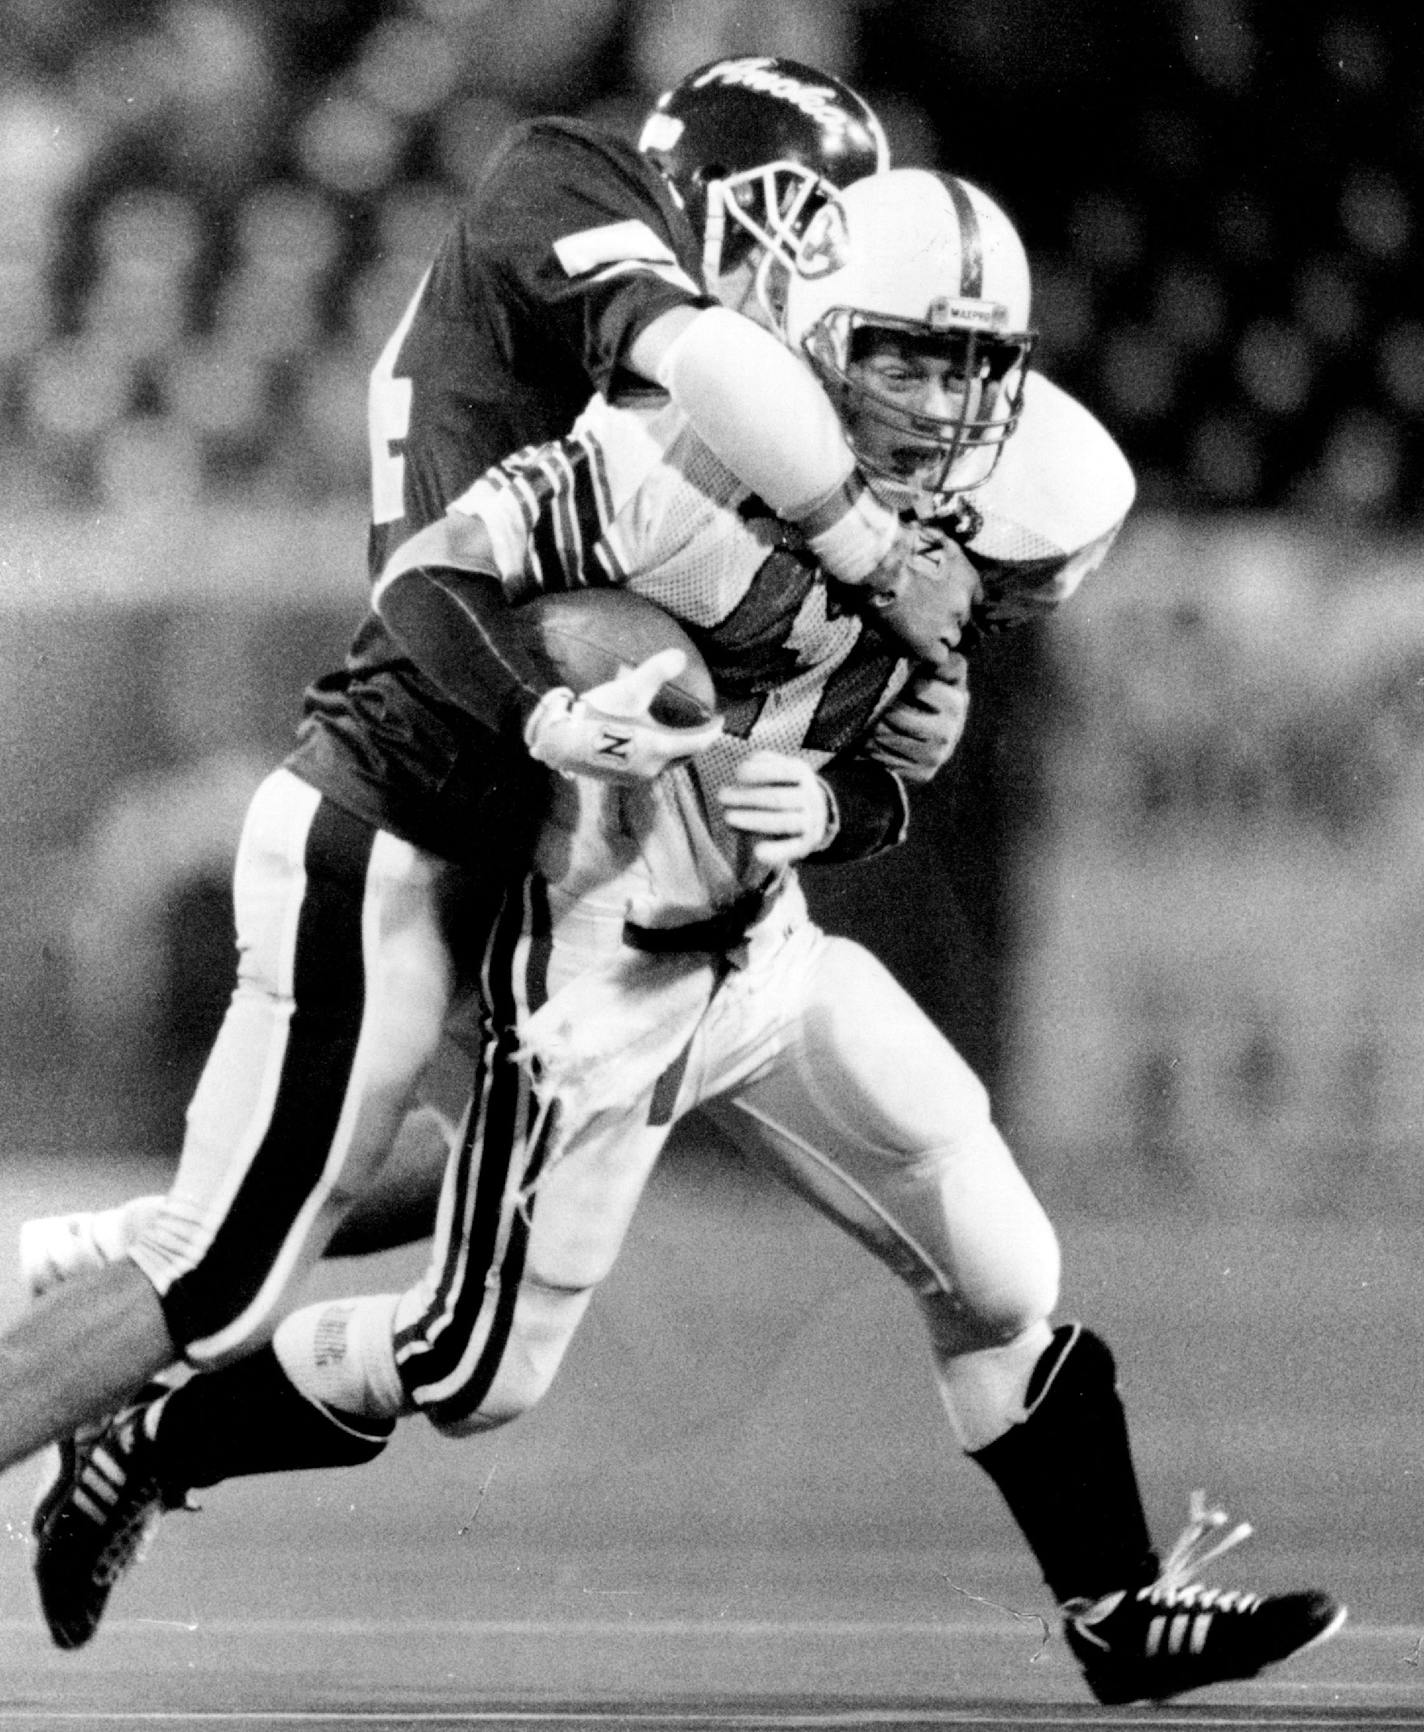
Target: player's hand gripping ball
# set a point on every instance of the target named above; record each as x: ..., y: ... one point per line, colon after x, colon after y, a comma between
x: 631, y: 692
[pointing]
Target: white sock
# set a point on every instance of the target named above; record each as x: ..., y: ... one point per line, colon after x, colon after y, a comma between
x: 983, y: 1392
x: 342, y: 1354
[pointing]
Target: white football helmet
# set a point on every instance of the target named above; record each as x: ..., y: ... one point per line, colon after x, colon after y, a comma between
x: 933, y: 260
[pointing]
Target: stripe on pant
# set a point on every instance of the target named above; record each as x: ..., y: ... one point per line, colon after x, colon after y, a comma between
x: 288, y: 1161
x: 445, y: 1366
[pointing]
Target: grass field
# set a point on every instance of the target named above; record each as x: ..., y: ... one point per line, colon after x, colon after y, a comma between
x: 740, y: 1507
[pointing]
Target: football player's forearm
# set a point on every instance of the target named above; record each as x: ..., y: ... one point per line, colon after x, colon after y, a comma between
x: 458, y: 629
x: 872, y: 811
x: 761, y: 411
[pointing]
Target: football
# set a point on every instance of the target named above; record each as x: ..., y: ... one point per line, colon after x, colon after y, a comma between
x: 583, y: 637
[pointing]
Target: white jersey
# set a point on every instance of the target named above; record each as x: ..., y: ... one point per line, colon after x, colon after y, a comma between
x: 633, y: 497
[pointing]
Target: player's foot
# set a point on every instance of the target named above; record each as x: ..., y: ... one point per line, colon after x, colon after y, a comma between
x: 1175, y: 1635
x: 97, y: 1509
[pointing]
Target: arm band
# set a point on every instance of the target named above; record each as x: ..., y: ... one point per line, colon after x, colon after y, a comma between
x: 760, y: 410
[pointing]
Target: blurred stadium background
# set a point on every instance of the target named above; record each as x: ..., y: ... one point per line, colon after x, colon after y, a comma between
x: 1167, y: 898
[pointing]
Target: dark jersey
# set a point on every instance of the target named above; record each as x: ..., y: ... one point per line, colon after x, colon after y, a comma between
x: 567, y: 248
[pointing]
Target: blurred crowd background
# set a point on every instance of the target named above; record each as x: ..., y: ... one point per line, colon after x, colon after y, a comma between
x: 210, y: 211
x: 1173, y: 871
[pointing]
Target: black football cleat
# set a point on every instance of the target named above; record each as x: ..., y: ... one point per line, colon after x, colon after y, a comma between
x: 97, y: 1509
x: 1173, y: 1635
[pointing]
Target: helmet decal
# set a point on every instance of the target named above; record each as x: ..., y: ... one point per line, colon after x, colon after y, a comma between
x: 818, y: 101
x: 660, y: 131
x: 971, y: 240
x: 946, y: 313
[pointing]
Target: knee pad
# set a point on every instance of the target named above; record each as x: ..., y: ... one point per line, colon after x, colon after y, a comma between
x: 520, y: 1382
x: 341, y: 1354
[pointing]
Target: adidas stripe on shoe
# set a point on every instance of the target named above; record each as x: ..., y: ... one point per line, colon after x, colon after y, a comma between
x: 1175, y: 1635
x: 97, y: 1510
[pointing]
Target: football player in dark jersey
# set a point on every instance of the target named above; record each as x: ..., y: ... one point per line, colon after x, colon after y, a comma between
x: 580, y: 263
x: 649, y: 963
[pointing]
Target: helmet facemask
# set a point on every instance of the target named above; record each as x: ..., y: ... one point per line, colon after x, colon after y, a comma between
x: 910, y: 297
x: 771, y: 206
x: 918, y: 460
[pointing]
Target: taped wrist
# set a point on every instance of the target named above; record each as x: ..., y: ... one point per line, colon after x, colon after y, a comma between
x: 850, y: 531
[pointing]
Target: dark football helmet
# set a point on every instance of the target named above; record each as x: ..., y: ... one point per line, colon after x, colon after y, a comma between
x: 749, y: 146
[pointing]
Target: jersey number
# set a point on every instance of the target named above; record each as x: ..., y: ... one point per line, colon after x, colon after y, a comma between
x: 388, y: 400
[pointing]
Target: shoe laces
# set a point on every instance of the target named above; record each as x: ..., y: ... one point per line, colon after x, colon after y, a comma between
x: 1194, y: 1548
x: 129, y: 1543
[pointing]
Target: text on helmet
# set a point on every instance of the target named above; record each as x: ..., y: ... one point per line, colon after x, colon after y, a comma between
x: 946, y: 312
x: 815, y: 100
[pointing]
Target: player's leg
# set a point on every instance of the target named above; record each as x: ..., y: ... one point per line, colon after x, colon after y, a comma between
x: 867, y: 1110
x: 396, y: 1209
x: 532, y: 1213
x: 75, y: 1355
x: 344, y: 978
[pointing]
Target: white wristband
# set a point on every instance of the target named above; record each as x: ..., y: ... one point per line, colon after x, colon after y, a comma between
x: 850, y: 532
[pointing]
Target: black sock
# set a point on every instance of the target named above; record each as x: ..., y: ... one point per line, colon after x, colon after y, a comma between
x: 1067, y: 1475
x: 248, y: 1418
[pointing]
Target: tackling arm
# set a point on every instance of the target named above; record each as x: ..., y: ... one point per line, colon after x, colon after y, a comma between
x: 743, y: 393
x: 442, y: 599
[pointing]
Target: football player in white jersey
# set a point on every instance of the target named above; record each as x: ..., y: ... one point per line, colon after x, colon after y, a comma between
x: 659, y: 958
x: 577, y: 263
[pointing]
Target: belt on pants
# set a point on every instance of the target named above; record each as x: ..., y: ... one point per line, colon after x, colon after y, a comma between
x: 719, y: 932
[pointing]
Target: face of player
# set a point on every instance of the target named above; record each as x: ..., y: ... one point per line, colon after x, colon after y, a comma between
x: 910, y: 397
